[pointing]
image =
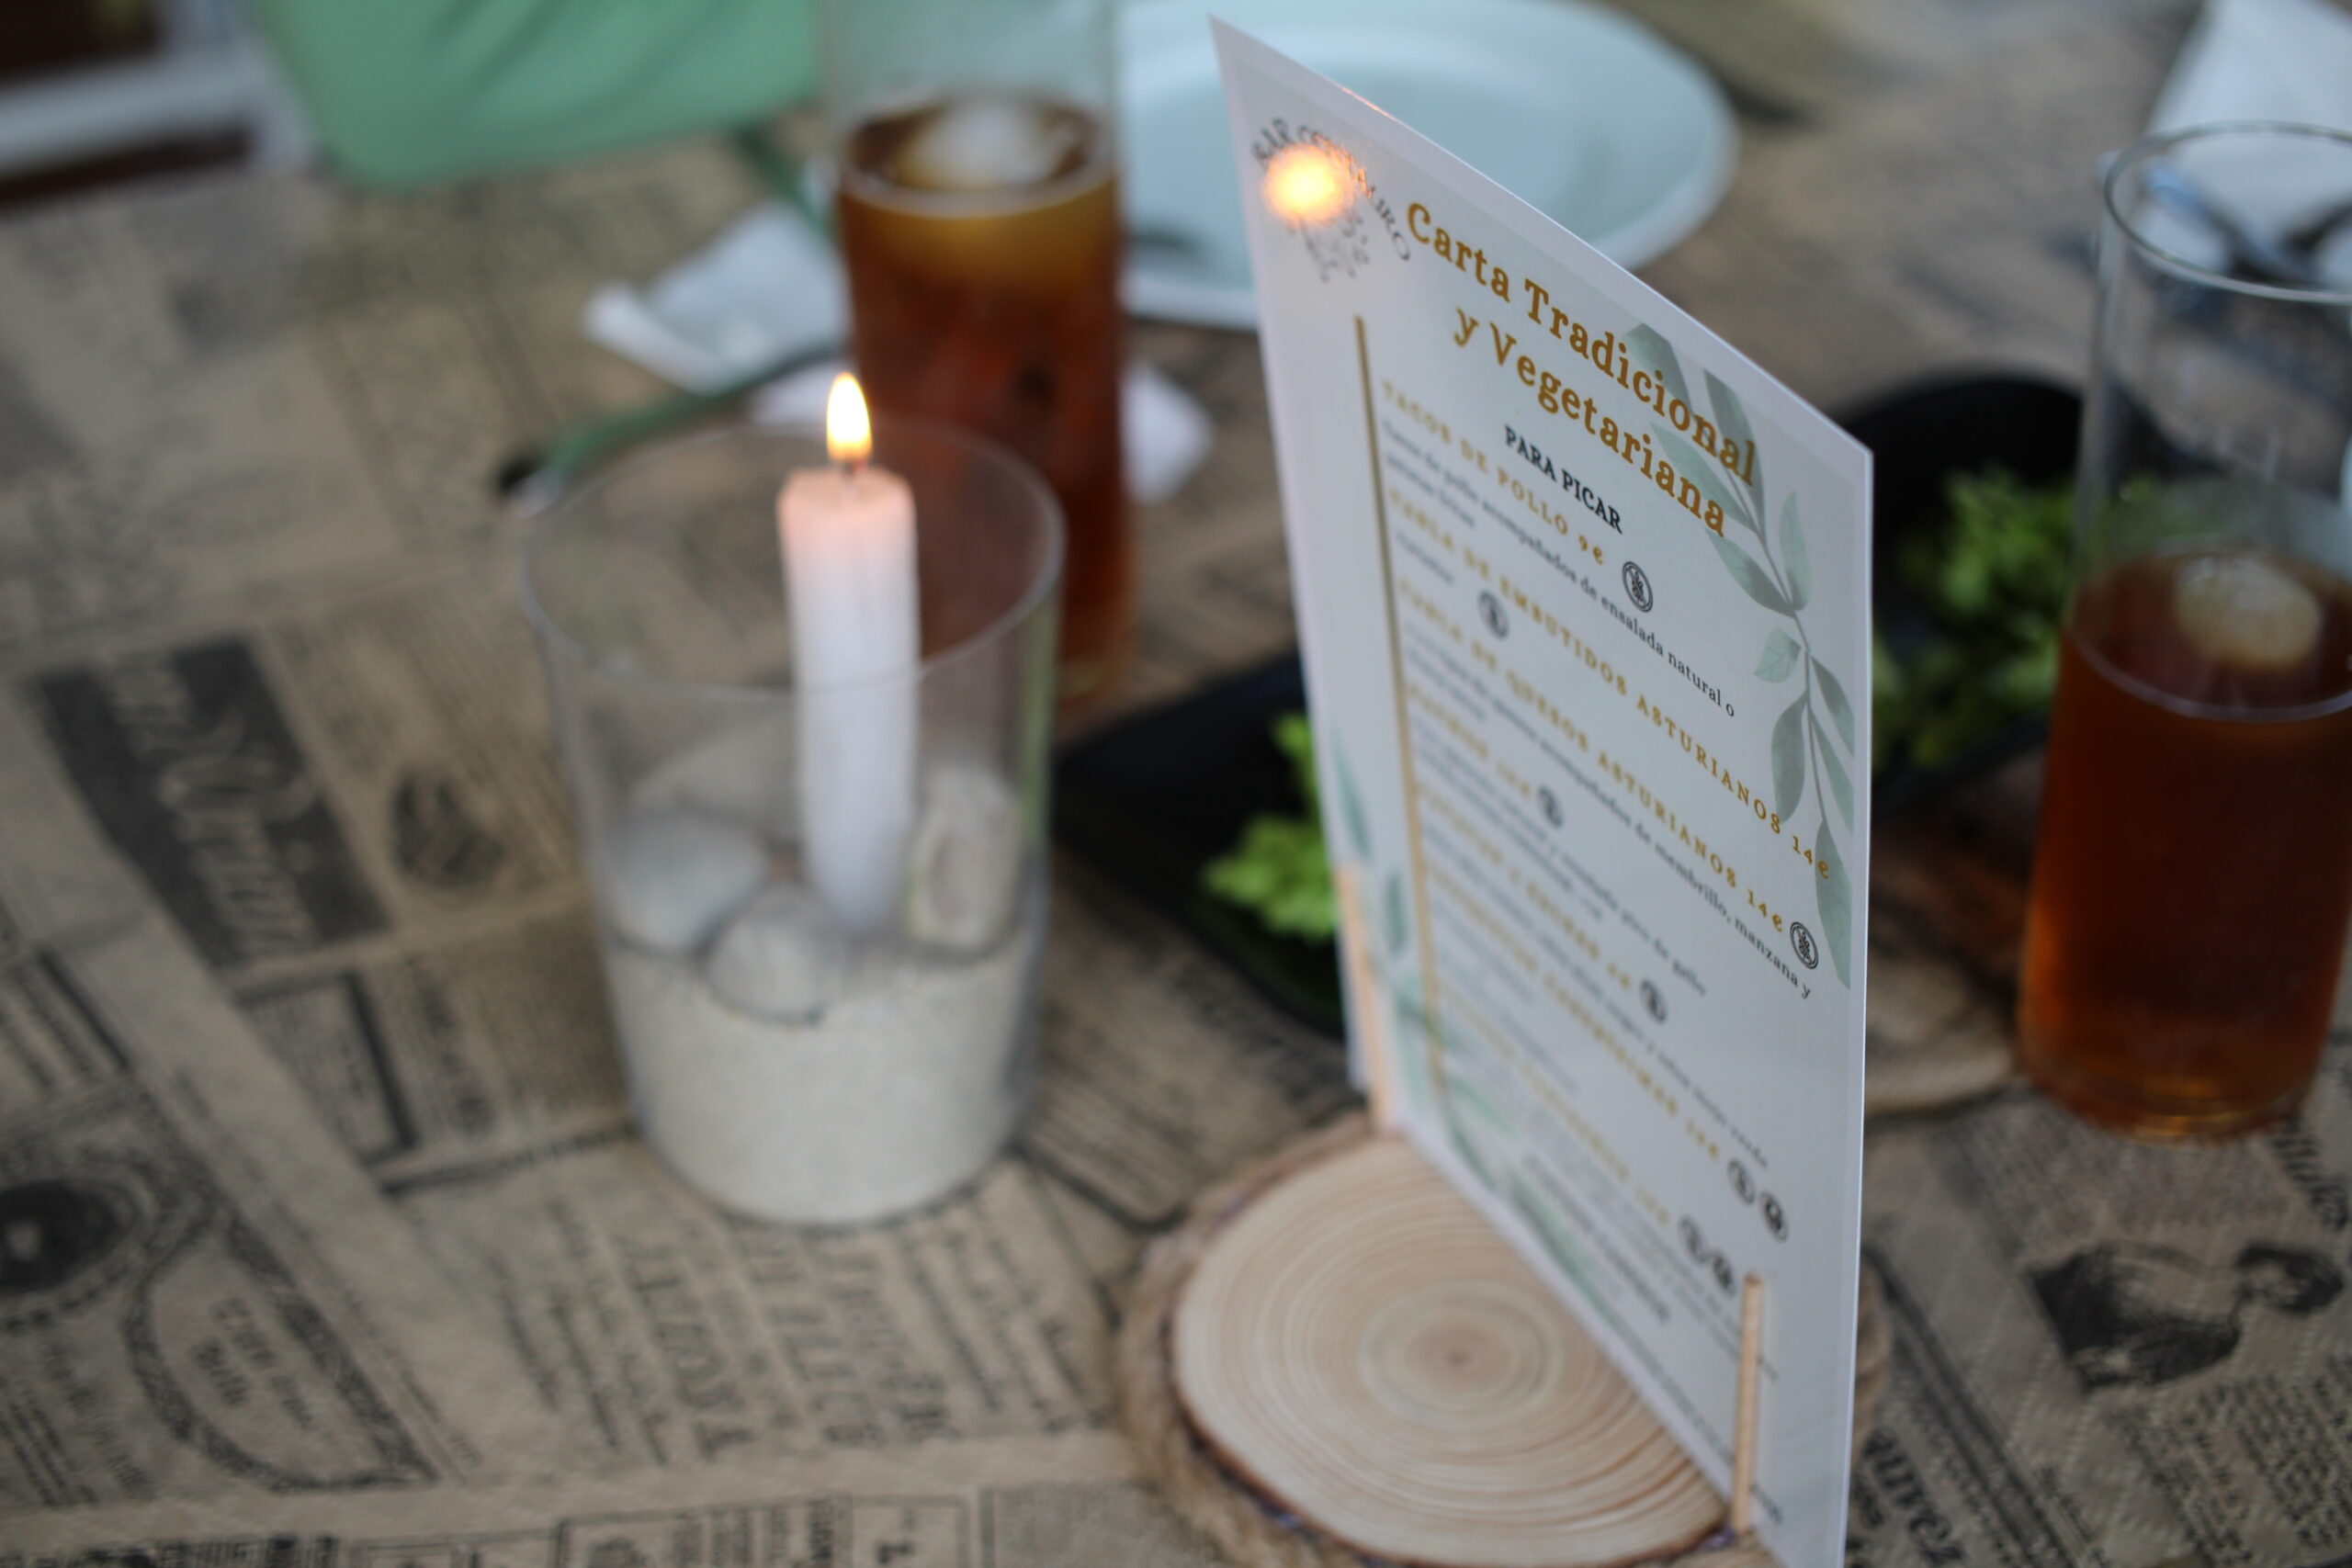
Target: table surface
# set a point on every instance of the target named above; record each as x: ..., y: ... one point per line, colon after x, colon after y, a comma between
x: 246, y: 427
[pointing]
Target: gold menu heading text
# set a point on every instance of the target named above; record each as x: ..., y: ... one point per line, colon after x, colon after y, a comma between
x: 1607, y: 354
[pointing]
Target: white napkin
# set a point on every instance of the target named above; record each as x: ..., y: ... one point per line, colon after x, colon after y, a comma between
x: 769, y: 287
x: 2261, y: 59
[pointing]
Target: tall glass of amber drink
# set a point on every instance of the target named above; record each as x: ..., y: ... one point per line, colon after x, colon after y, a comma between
x: 977, y: 208
x: 2193, y: 874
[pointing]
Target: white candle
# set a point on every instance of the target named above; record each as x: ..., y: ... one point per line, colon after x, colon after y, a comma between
x: 849, y: 554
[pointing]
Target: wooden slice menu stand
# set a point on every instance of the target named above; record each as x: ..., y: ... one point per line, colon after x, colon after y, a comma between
x: 1334, y: 1358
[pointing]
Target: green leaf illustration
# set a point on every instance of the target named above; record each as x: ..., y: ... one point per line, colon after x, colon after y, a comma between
x: 1393, y: 908
x: 1841, y: 789
x: 1411, y: 1041
x: 1703, y: 471
x: 1733, y: 417
x: 1484, y: 1126
x: 1654, y: 354
x: 1352, y: 808
x: 1796, y: 562
x: 1559, y: 1240
x: 1788, y: 760
x: 1749, y: 575
x: 1837, y: 902
x: 1476, y: 1100
x: 1465, y: 1145
x: 1840, y: 710
x: 1408, y: 1005
x: 1780, y: 656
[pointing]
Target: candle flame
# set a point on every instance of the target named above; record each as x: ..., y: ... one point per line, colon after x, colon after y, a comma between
x: 1309, y: 185
x: 849, y: 435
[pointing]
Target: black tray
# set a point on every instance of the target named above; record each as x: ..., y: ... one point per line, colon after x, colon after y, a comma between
x: 1150, y: 801
x: 1153, y: 800
x: 1920, y: 438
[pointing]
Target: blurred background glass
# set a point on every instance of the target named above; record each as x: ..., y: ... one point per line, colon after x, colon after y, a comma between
x: 2193, y: 873
x: 977, y: 213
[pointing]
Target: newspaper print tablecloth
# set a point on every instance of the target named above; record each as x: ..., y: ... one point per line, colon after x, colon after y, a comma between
x: 321, y: 1227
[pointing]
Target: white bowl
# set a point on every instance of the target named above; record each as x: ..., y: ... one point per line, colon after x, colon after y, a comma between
x: 1585, y: 115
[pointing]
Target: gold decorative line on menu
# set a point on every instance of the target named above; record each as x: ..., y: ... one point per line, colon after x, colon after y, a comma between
x: 1421, y: 938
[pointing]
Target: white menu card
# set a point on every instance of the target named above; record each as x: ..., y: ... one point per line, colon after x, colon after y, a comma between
x: 1583, y: 597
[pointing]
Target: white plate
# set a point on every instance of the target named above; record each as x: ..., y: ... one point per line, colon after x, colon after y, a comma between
x: 1582, y: 113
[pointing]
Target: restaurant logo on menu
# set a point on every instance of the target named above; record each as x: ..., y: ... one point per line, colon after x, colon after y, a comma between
x: 1322, y: 193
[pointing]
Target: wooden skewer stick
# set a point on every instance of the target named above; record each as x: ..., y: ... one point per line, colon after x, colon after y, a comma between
x: 1743, y: 1446
x: 1364, y: 1004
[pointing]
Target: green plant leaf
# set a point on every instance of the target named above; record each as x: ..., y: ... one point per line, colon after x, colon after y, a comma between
x: 1841, y: 788
x: 1796, y: 561
x: 1733, y: 418
x: 1294, y: 739
x: 1788, y: 760
x: 1654, y: 354
x: 1780, y: 656
x: 1703, y: 471
x: 1836, y: 898
x: 1278, y: 873
x: 1749, y: 575
x: 1393, y: 910
x: 1840, y: 710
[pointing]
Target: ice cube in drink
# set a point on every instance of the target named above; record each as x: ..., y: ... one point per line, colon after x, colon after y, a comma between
x: 987, y: 144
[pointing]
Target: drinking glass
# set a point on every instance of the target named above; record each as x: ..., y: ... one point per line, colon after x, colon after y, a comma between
x: 789, y: 1061
x: 2193, y: 873
x: 978, y: 210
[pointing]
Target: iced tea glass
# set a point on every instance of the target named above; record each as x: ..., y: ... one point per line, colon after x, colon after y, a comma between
x: 2193, y: 874
x: 977, y: 208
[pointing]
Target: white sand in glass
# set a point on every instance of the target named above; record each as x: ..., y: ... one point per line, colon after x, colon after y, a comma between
x: 782, y: 1063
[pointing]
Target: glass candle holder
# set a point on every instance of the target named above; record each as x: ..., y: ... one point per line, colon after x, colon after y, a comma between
x: 794, y: 1050
x: 2193, y: 874
x: 977, y: 205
